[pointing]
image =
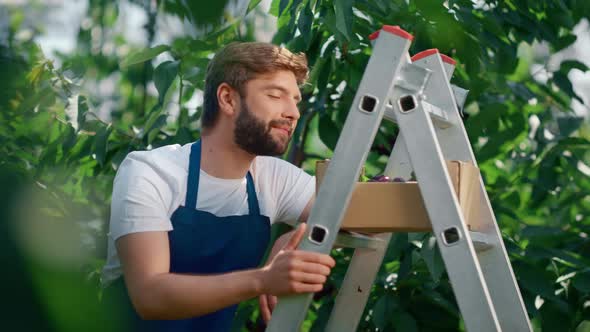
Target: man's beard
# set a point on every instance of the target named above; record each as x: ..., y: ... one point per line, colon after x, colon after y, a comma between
x: 253, y: 135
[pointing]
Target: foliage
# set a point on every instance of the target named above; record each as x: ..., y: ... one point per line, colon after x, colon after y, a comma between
x: 532, y: 150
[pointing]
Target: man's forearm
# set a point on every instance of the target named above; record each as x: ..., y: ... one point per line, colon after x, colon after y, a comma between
x: 178, y: 296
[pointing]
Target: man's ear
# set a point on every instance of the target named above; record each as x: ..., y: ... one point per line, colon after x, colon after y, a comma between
x: 227, y: 99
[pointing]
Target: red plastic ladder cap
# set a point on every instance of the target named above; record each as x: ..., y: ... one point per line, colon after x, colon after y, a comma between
x: 448, y: 59
x: 393, y: 29
x: 426, y: 53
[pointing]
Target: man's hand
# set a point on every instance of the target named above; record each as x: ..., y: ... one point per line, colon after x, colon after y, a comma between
x: 292, y: 271
x: 267, y: 302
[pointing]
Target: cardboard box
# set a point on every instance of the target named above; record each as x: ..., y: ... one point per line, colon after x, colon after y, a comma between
x: 378, y: 207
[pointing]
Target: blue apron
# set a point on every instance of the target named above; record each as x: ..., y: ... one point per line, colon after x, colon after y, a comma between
x: 202, y: 243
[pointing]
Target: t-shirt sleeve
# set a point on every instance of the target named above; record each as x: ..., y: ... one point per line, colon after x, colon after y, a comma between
x: 140, y: 200
x: 294, y: 189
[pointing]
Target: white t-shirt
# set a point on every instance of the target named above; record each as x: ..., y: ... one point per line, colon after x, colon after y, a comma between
x: 151, y: 185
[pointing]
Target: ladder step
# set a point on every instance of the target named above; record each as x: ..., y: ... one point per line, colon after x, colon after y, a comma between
x: 438, y: 116
x: 481, y: 241
x: 356, y: 240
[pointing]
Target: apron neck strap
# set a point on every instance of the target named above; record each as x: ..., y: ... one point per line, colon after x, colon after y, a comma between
x: 194, y: 170
x: 252, y: 199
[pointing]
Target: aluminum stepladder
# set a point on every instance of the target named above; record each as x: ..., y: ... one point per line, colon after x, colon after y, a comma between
x: 416, y: 93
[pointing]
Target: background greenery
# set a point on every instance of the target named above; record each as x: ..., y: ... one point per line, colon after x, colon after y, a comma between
x: 60, y: 153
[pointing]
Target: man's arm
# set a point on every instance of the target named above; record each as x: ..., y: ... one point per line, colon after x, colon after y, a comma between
x: 268, y: 302
x: 282, y: 240
x: 158, y: 294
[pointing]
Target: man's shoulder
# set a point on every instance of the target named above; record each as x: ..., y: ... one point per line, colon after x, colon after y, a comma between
x: 164, y: 161
x: 173, y: 153
x: 276, y: 167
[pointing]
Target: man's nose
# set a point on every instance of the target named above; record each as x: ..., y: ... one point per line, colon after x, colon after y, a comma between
x: 292, y: 111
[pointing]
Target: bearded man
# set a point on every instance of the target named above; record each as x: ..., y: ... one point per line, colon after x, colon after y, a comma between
x: 190, y: 224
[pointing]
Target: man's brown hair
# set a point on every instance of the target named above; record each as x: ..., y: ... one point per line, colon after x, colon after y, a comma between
x: 237, y: 63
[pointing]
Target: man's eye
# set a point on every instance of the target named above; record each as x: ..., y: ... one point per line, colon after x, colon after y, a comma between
x: 275, y: 97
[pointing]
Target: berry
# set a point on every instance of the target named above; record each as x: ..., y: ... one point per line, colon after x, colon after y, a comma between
x: 379, y: 178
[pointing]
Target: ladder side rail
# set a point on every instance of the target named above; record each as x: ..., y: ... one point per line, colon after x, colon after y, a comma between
x: 399, y: 164
x: 494, y: 262
x: 354, y: 292
x: 443, y: 209
x: 389, y: 55
x: 365, y: 264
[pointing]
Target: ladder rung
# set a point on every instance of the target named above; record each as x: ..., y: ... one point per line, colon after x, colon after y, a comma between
x: 438, y: 116
x: 357, y: 240
x: 346, y: 239
x: 481, y: 242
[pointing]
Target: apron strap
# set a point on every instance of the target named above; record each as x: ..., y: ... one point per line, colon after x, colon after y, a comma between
x: 252, y: 199
x: 194, y: 169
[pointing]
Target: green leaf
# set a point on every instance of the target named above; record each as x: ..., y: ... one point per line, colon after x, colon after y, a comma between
x: 253, y: 4
x: 155, y: 121
x: 406, y: 263
x: 540, y: 231
x: 154, y: 114
x: 383, y: 309
x: 68, y: 138
x: 403, y: 321
x: 535, y: 280
x: 554, y: 318
x: 328, y: 131
x: 564, y: 42
x: 344, y: 17
x: 164, y: 75
x: 432, y: 258
x: 283, y: 5
x: 569, y: 124
x: 199, y: 12
x: 30, y: 103
x: 143, y: 55
x: 324, y: 75
x: 323, y: 313
x: 584, y: 326
x: 582, y: 282
x: 36, y: 73
x: 274, y: 8
x: 563, y: 82
x: 397, y: 244
x: 82, y: 110
x: 155, y: 130
x: 305, y: 22
x: 100, y: 143
x: 316, y: 69
x: 242, y: 315
x: 448, y: 305
x: 568, y: 65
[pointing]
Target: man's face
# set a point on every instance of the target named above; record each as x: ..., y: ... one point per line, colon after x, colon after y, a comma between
x: 268, y: 114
